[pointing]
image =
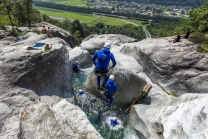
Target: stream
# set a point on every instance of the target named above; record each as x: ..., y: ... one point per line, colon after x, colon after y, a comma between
x: 99, y: 115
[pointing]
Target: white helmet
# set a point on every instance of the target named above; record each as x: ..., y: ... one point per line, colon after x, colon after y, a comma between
x: 112, y: 77
x: 114, y: 118
x: 76, y: 61
x: 107, y: 45
x: 80, y: 90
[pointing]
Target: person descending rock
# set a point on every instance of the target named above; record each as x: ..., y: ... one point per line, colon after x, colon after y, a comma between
x: 111, y: 90
x: 85, y: 98
x: 75, y: 67
x: 114, y: 122
x: 101, y: 60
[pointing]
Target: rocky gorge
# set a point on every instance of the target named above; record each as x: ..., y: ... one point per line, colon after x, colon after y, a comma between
x: 36, y: 97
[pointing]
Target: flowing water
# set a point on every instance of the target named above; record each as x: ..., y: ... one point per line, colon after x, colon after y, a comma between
x: 99, y: 115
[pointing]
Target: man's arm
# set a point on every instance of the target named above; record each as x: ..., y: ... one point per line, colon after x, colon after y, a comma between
x: 94, y: 58
x: 113, y: 60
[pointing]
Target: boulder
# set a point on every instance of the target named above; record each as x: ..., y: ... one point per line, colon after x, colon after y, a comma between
x: 45, y: 74
x: 22, y: 29
x: 82, y: 56
x: 3, y: 34
x: 41, y: 121
x: 33, y: 85
x: 183, y: 117
x: 129, y: 85
x: 7, y: 41
x: 96, y: 42
x: 177, y: 67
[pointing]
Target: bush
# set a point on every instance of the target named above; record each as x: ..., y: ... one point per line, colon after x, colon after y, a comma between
x: 206, y: 39
x: 37, y: 31
x: 144, y: 22
x: 2, y: 27
x: 197, y: 37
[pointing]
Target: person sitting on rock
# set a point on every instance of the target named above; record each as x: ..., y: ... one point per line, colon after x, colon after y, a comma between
x: 185, y: 36
x: 50, y: 35
x: 101, y: 60
x: 114, y: 122
x: 47, y: 48
x: 177, y: 38
x: 111, y: 90
x: 75, y: 67
x: 43, y: 30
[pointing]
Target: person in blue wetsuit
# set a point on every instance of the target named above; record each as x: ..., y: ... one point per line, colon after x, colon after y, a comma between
x: 75, y: 67
x: 114, y: 122
x: 101, y: 60
x: 111, y: 90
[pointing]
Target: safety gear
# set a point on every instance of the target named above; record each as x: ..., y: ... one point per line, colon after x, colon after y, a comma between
x: 111, y: 87
x: 81, y: 92
x: 103, y: 58
x: 107, y: 45
x: 114, y: 122
x: 75, y: 67
x: 76, y: 61
x: 112, y: 77
x: 114, y: 118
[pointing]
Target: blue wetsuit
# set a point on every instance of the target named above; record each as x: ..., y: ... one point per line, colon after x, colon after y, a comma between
x: 113, y: 122
x: 103, y: 59
x: 111, y: 89
x: 75, y: 68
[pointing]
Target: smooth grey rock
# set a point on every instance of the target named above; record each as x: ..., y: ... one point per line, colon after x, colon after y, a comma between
x: 129, y: 85
x: 46, y: 74
x: 71, y: 117
x: 185, y: 117
x: 22, y: 29
x: 41, y: 121
x: 29, y: 77
x: 96, y: 42
x: 177, y: 67
x: 82, y: 56
x: 3, y: 34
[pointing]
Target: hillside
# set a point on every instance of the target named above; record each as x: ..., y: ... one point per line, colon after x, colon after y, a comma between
x: 192, y: 3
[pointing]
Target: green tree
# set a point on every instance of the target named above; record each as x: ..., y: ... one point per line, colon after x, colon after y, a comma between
x: 6, y: 7
x: 197, y: 22
x: 29, y: 10
x: 76, y: 26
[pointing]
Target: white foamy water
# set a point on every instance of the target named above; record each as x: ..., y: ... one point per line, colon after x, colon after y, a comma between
x: 117, y: 127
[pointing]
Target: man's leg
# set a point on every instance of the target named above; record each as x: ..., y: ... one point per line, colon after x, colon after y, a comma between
x: 106, y: 100
x: 98, y: 82
x: 111, y: 101
x: 106, y: 77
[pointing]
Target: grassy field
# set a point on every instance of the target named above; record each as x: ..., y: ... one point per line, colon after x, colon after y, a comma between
x: 65, y: 14
x: 107, y: 21
x: 86, y: 18
x: 79, y: 3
